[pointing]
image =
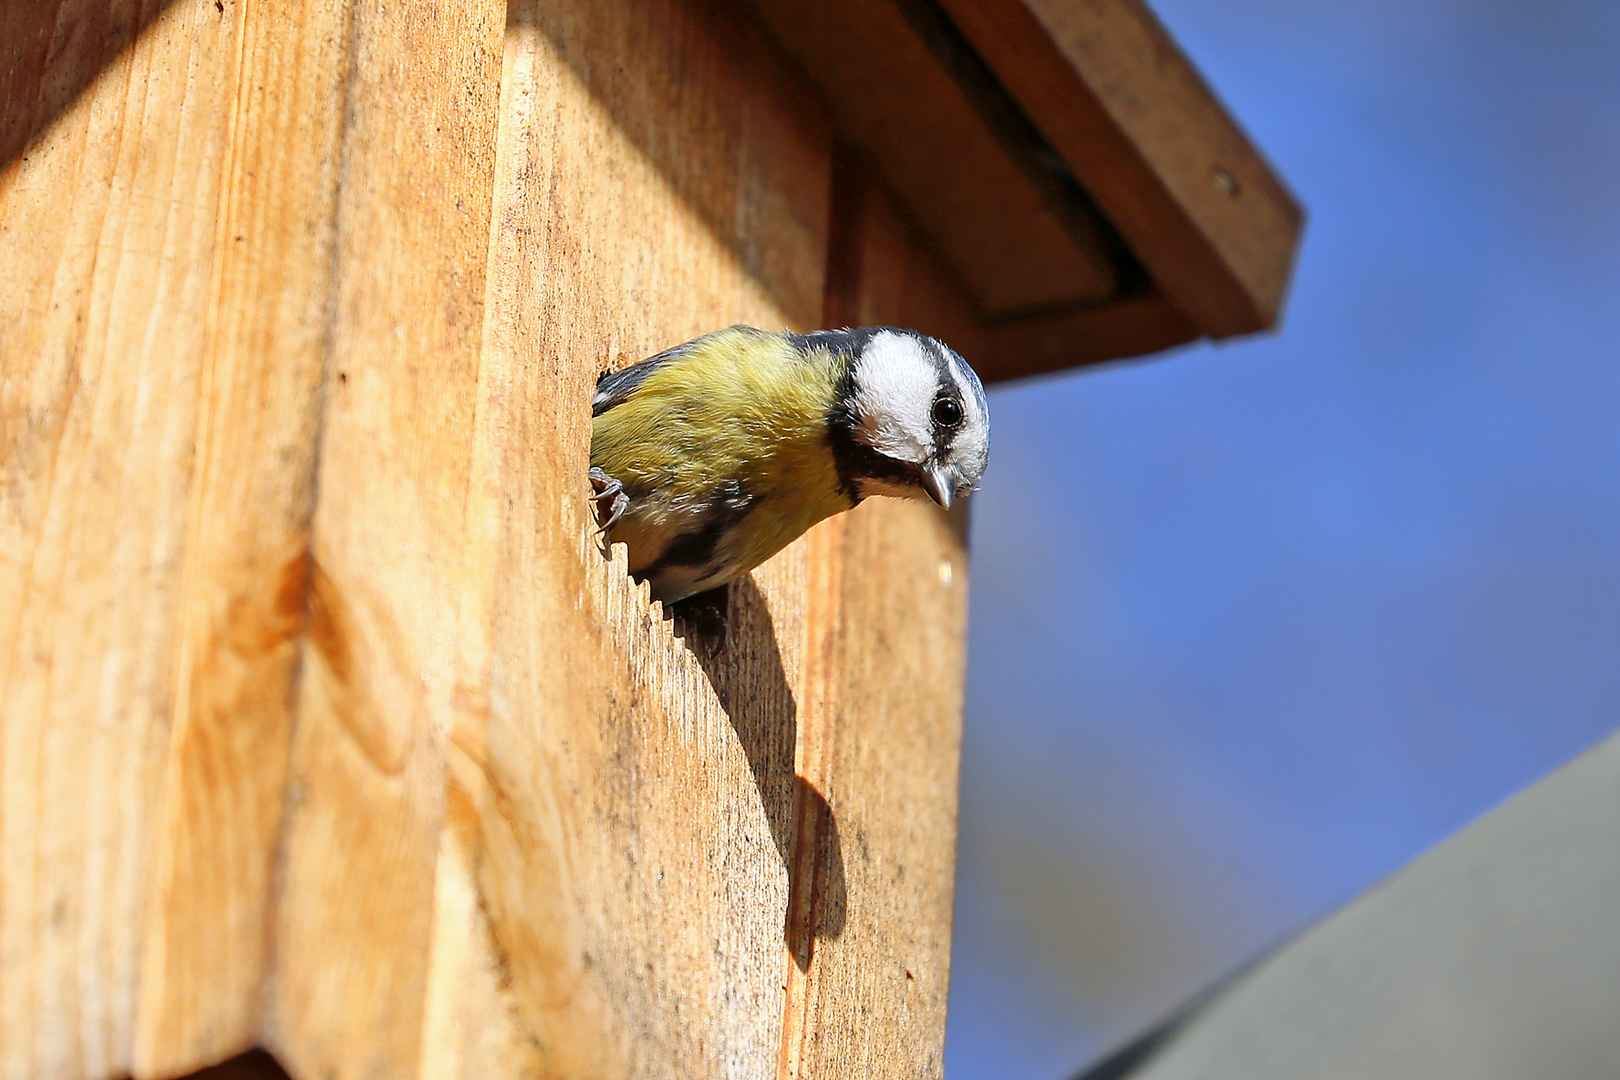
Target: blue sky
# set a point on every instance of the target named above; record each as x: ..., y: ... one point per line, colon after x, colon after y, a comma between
x: 1255, y: 625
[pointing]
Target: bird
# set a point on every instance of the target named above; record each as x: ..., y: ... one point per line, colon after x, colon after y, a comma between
x: 712, y: 456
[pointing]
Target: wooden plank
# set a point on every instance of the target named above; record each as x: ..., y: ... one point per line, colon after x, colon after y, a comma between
x: 252, y: 348
x: 1134, y: 326
x: 628, y: 832
x: 1013, y: 244
x: 877, y: 762
x: 354, y: 917
x: 52, y: 51
x: 653, y: 860
x: 206, y: 939
x: 879, y: 734
x: 113, y: 263
x: 1124, y: 108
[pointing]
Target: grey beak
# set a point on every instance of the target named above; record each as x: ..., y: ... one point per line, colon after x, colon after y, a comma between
x: 940, y: 483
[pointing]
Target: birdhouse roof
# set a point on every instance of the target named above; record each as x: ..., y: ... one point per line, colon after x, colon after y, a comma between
x: 1069, y: 166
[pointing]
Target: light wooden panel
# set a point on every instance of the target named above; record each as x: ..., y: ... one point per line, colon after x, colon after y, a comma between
x: 182, y: 267
x: 328, y: 725
x: 631, y: 835
x: 248, y: 531
x: 144, y: 636
x: 354, y: 919
x: 52, y: 51
x: 878, y: 747
x: 688, y: 864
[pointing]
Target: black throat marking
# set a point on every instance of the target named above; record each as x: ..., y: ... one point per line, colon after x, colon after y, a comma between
x: 853, y: 459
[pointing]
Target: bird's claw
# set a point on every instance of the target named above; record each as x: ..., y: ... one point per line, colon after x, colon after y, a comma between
x: 706, y: 616
x: 605, y: 488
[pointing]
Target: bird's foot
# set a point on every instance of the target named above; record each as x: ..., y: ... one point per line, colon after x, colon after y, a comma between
x: 704, y: 617
x: 609, y: 493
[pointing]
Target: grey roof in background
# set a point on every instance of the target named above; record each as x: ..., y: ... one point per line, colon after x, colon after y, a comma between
x: 1495, y: 955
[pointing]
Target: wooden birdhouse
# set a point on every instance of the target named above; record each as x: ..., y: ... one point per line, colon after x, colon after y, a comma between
x: 329, y: 726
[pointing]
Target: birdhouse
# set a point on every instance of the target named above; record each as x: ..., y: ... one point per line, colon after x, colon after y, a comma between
x: 330, y: 726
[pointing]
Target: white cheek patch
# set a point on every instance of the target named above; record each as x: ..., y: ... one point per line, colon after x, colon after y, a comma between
x: 895, y: 383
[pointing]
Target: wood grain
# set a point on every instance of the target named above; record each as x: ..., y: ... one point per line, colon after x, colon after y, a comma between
x: 628, y: 830
x: 114, y: 260
x: 205, y: 964
x: 52, y: 51
x: 878, y: 744
x: 354, y: 913
x: 651, y: 821
x: 994, y: 227
x: 1135, y: 121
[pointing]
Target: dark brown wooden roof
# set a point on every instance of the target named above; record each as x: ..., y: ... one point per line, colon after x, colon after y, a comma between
x: 1067, y: 163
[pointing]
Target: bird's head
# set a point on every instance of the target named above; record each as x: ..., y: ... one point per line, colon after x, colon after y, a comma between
x: 913, y: 418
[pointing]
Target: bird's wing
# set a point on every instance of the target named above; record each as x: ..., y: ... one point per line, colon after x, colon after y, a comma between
x: 615, y: 387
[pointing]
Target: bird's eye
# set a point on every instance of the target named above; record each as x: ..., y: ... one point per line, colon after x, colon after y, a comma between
x: 947, y: 412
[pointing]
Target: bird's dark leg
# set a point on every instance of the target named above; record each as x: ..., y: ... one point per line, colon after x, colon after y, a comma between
x: 705, y: 615
x: 604, y: 487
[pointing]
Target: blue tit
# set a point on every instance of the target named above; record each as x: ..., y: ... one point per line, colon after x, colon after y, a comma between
x: 709, y: 458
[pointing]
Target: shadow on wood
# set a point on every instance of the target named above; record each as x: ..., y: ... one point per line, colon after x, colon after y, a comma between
x: 253, y: 1065
x: 751, y: 683
x: 724, y: 137
x: 52, y: 51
